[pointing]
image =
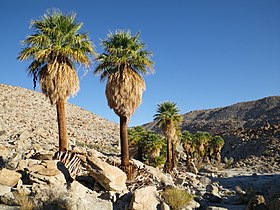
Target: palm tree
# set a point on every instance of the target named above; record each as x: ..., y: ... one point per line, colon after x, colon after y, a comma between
x: 216, y: 144
x: 135, y: 136
x: 201, y: 140
x: 168, y: 118
x: 188, y: 145
x: 54, y: 49
x: 122, y: 64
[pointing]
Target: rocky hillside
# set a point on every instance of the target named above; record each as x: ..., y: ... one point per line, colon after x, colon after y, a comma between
x: 34, y: 176
x: 29, y: 116
x: 250, y: 129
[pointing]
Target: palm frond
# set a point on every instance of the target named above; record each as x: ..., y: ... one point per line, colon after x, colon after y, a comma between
x: 54, y: 48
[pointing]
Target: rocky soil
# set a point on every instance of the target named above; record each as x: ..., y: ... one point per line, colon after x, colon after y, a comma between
x: 28, y: 116
x: 31, y: 179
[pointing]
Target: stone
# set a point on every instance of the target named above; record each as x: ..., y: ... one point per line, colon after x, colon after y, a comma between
x: 215, y: 208
x: 43, y: 155
x: 145, y: 198
x: 191, y: 205
x: 49, y: 172
x: 24, y: 135
x: 83, y: 198
x: 4, y: 189
x: 257, y: 203
x: 9, y: 177
x: 78, y: 190
x: 36, y: 168
x: 164, y: 206
x: 212, y: 189
x: 4, y: 152
x: 5, y: 207
x: 110, y: 177
x: 165, y: 179
x: 192, y: 168
x: 212, y: 197
x: 56, y: 180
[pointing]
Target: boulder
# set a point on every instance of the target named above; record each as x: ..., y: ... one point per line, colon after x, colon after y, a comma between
x: 4, y: 152
x: 9, y: 177
x: 110, y: 177
x: 55, y: 180
x: 83, y: 198
x: 4, y: 189
x: 163, y: 178
x: 257, y: 203
x: 191, y: 205
x: 145, y: 198
x: 215, y: 208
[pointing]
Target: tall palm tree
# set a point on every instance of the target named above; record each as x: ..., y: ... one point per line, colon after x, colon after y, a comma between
x: 168, y: 118
x: 54, y: 49
x: 123, y: 62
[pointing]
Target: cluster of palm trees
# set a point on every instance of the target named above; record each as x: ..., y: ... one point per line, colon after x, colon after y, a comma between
x: 147, y: 146
x: 57, y: 46
x: 202, y: 146
x: 199, y: 147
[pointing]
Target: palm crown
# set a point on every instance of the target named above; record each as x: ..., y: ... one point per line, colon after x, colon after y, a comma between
x: 54, y: 48
x: 123, y: 51
x: 167, y: 113
x: 123, y: 62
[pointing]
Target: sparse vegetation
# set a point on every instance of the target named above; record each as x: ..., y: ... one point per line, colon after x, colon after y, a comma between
x: 176, y: 198
x: 23, y: 201
x: 228, y: 162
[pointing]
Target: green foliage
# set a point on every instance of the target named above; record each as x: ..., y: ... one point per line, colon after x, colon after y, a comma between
x: 167, y: 112
x: 176, y: 198
x: 151, y: 140
x: 135, y: 134
x: 201, y: 145
x: 158, y: 161
x: 148, y: 142
x: 217, y: 141
x: 56, y: 38
x: 123, y: 49
x: 201, y: 137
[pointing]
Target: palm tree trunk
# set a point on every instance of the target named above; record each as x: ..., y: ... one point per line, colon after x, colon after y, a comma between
x: 62, y: 131
x: 174, y: 157
x: 168, y: 163
x: 124, y: 145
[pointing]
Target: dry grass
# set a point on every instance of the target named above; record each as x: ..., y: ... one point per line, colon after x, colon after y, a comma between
x: 23, y: 201
x: 176, y: 198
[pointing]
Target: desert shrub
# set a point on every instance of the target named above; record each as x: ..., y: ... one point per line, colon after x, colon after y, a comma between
x: 176, y: 198
x: 228, y: 162
x: 23, y: 200
x: 80, y: 144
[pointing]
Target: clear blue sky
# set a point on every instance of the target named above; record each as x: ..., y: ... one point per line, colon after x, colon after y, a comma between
x: 207, y: 53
